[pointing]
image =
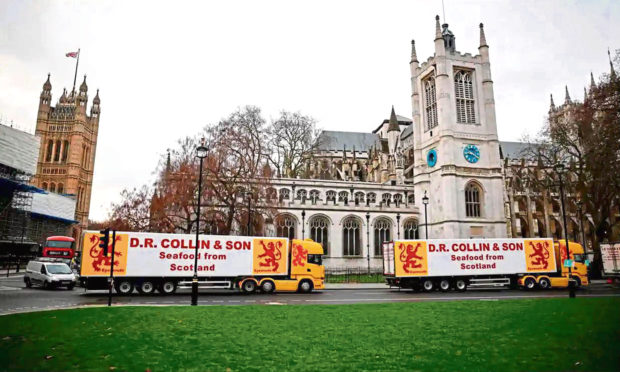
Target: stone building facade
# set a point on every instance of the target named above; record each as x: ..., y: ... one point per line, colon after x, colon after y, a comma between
x: 68, y: 135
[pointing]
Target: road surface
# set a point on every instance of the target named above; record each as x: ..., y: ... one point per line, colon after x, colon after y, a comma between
x: 15, y: 298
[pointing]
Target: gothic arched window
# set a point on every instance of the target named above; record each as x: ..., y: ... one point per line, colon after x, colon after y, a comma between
x: 44, y: 186
x: 314, y: 196
x: 57, y: 151
x: 430, y: 103
x: 50, y: 147
x: 343, y: 196
x: 65, y: 152
x: 411, y: 198
x: 359, y: 197
x: 371, y: 197
x: 386, y: 199
x: 382, y: 233
x: 398, y: 199
x: 53, y: 187
x: 286, y: 226
x: 464, y: 92
x: 351, y: 243
x: 61, y: 188
x: 319, y: 232
x: 331, y: 195
x: 285, y: 194
x: 410, y: 229
x: 472, y: 200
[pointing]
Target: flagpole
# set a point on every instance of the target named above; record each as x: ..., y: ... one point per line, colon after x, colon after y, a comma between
x: 76, y: 68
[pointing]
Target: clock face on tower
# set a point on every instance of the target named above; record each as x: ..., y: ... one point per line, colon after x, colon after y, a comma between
x: 431, y: 158
x: 471, y: 153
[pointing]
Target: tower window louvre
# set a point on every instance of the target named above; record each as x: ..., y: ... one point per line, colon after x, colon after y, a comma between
x: 472, y: 200
x: 430, y: 101
x: 464, y: 92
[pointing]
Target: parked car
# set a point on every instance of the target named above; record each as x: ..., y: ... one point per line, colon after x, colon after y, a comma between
x: 49, y: 273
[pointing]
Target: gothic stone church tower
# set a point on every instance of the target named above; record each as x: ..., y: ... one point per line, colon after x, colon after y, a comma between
x: 456, y: 149
x: 68, y: 142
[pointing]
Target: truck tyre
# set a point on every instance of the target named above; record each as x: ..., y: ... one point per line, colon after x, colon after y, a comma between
x: 529, y: 283
x: 28, y: 283
x: 268, y: 286
x: 124, y: 287
x: 460, y: 285
x: 428, y: 285
x: 168, y: 287
x: 146, y: 287
x: 305, y: 286
x: 444, y: 285
x: 544, y: 283
x: 248, y: 286
x: 577, y: 281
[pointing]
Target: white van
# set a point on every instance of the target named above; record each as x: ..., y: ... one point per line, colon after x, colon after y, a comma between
x: 49, y: 273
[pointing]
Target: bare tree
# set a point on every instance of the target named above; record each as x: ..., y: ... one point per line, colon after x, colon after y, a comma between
x: 132, y: 213
x: 293, y: 138
x: 585, y: 136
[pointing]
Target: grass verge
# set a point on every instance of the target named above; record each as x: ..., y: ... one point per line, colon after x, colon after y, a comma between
x: 512, y: 335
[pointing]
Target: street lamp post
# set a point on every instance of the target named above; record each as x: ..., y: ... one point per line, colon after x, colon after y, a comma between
x: 559, y: 169
x: 368, y: 240
x: 425, y: 202
x: 303, y: 224
x: 398, y: 225
x: 201, y: 153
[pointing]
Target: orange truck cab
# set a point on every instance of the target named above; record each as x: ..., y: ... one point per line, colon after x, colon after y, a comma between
x: 307, y: 270
x: 561, y: 278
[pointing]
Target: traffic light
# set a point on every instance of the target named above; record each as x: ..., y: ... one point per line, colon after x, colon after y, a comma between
x: 104, y: 240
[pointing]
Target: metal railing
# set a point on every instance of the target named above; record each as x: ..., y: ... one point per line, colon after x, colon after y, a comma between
x: 353, y: 275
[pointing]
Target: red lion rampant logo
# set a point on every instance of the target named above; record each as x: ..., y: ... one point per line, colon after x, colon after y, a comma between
x: 272, y: 253
x: 299, y: 255
x: 540, y: 257
x: 97, y: 254
x: 409, y: 256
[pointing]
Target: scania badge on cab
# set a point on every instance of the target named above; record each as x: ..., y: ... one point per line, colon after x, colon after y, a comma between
x: 150, y: 261
x: 461, y: 263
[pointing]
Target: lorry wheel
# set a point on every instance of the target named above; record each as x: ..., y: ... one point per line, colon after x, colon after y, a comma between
x: 146, y: 287
x: 461, y: 285
x: 268, y: 286
x: 124, y: 287
x: 428, y: 285
x: 249, y: 286
x: 577, y: 281
x: 444, y: 285
x: 544, y: 283
x: 168, y: 287
x: 305, y: 286
x: 529, y: 283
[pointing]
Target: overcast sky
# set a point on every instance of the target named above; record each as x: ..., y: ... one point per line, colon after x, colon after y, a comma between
x: 166, y: 69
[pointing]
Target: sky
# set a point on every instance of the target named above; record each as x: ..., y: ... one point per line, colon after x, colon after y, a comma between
x: 167, y: 69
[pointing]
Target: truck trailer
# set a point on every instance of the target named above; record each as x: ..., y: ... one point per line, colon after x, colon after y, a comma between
x: 610, y: 254
x: 150, y: 261
x: 459, y: 264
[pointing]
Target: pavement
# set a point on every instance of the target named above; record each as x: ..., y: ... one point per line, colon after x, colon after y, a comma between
x: 15, y: 298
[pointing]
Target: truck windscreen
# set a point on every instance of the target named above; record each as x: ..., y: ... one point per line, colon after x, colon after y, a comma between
x: 315, y: 259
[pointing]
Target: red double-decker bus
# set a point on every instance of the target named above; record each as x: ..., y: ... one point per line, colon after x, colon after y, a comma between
x: 59, y: 247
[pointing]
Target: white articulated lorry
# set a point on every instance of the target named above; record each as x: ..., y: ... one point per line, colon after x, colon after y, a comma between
x: 610, y: 254
x: 461, y: 263
x: 151, y: 261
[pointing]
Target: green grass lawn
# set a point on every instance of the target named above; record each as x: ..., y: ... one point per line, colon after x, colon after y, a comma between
x: 582, y: 334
